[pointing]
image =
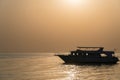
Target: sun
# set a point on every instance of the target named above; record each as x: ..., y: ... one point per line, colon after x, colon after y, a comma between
x: 73, y: 2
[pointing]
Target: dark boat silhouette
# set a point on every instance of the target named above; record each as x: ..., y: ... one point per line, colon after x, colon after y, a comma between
x: 89, y: 55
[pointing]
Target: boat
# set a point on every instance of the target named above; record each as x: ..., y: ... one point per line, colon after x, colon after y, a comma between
x: 89, y: 55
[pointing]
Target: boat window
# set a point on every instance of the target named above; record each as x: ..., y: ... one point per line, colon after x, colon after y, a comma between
x: 77, y: 53
x: 103, y: 55
x: 73, y: 53
x: 86, y: 54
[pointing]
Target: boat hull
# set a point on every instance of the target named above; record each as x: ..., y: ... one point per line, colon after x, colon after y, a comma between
x: 79, y: 59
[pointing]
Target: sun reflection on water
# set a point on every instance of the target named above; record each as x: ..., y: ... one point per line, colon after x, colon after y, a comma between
x: 88, y: 72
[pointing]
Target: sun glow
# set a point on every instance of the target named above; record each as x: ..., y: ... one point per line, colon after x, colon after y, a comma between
x: 74, y: 2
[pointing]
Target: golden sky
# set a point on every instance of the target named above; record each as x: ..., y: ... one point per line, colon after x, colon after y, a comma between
x: 58, y: 25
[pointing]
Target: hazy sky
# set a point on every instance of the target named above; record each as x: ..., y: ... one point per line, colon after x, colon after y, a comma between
x: 58, y: 25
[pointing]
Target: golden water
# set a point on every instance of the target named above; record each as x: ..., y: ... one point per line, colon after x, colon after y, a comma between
x: 51, y: 68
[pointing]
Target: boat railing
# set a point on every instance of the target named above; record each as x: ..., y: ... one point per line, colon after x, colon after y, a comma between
x: 90, y: 48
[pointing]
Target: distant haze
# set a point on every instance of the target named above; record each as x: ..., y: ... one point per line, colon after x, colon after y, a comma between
x: 58, y: 26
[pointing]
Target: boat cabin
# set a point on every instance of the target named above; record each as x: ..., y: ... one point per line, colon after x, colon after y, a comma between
x: 92, y: 52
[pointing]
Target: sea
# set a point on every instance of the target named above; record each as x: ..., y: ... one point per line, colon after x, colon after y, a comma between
x: 46, y: 66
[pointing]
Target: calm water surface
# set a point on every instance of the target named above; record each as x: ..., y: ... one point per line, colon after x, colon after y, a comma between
x: 42, y: 67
